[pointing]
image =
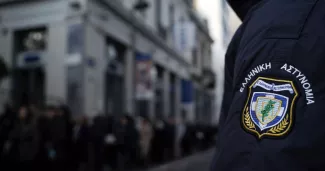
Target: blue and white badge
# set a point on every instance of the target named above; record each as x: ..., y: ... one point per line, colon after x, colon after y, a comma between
x: 268, y: 109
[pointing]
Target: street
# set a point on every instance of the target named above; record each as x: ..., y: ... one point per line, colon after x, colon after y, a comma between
x: 200, y: 161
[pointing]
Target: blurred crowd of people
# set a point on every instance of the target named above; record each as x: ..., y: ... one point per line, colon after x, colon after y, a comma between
x: 51, y: 139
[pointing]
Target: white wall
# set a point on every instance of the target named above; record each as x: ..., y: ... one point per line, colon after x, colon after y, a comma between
x: 94, y: 76
x: 128, y: 3
x: 232, y: 24
x: 34, y: 15
x: 151, y: 15
x: 55, y: 68
x: 214, y: 12
x: 148, y: 16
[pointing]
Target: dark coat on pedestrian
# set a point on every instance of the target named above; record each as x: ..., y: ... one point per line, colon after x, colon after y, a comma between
x: 7, y: 120
x: 81, y: 143
x: 23, y: 140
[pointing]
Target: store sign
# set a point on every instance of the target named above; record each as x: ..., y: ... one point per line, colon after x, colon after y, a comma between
x: 144, y: 81
x: 187, y: 91
x: 30, y: 59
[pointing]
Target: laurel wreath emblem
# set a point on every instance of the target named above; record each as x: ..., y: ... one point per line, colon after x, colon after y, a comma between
x: 281, y: 126
x: 248, y: 120
x: 276, y: 129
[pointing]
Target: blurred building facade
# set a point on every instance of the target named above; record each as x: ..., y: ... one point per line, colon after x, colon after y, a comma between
x: 230, y: 23
x: 144, y: 57
x: 223, y: 23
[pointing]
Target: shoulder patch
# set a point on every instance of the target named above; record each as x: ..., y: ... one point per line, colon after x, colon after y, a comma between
x: 269, y: 107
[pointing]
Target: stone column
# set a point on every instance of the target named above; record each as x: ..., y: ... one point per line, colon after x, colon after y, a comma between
x: 6, y: 40
x: 55, y: 69
x: 178, y: 108
x: 178, y: 98
x: 94, y: 71
x: 151, y: 108
x: 129, y: 81
x: 166, y: 94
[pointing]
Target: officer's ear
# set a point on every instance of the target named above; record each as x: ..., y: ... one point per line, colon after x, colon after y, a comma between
x: 241, y: 7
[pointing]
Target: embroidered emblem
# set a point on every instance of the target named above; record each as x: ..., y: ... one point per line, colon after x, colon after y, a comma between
x: 268, y: 109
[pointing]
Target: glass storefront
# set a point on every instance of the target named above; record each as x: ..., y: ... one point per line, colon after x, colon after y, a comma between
x: 28, y: 70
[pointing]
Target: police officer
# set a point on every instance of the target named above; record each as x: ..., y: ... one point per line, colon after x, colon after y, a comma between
x: 273, y: 110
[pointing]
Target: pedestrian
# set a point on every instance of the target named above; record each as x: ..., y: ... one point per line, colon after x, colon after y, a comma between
x: 98, y: 137
x: 274, y: 87
x: 146, y: 134
x: 57, y: 139
x: 157, y: 144
x: 111, y: 146
x: 45, y: 151
x: 80, y: 146
x: 6, y: 124
x: 170, y: 139
x: 186, y: 142
x: 23, y: 141
x: 131, y: 143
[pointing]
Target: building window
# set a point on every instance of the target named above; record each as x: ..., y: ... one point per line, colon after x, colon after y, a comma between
x: 158, y: 13
x: 203, y: 52
x: 171, y: 12
x: 159, y: 91
x: 161, y: 30
x: 194, y: 55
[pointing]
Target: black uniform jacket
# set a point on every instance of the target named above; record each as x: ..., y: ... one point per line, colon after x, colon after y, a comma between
x: 273, y: 112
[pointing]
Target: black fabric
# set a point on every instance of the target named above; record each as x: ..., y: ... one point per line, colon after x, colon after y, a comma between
x: 242, y: 7
x: 284, y: 39
x: 3, y: 69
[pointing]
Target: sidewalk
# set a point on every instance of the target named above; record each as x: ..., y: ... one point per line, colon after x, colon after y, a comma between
x: 196, y: 162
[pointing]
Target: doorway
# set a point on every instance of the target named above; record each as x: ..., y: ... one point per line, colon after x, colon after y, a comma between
x: 114, y: 78
x: 28, y: 77
x: 28, y: 87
